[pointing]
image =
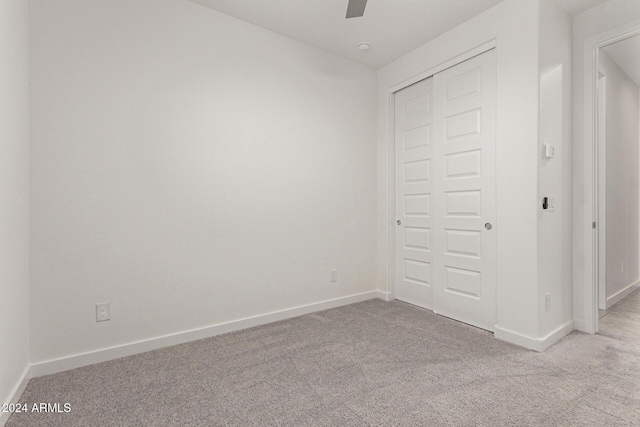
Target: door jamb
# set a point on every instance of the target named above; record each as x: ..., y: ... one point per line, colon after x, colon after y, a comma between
x: 601, y: 176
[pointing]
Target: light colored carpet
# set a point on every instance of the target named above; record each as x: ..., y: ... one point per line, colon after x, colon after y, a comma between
x: 372, y: 363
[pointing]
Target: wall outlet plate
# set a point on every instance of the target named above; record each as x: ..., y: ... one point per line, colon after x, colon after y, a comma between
x: 103, y: 312
x: 334, y: 275
x: 547, y: 302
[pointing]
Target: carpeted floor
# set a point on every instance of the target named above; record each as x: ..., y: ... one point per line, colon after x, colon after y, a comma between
x: 372, y: 363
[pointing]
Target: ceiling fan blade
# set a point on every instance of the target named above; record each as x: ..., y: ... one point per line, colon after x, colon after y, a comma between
x: 356, y: 8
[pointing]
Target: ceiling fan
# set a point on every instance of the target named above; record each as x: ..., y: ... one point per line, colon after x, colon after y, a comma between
x: 355, y: 9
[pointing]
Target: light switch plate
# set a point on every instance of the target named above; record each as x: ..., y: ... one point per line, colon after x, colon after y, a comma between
x: 549, y: 151
x: 551, y: 200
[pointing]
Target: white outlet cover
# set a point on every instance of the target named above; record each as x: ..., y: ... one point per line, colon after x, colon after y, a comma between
x: 103, y: 312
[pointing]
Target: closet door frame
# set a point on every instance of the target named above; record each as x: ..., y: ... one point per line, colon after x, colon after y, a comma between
x: 392, y: 147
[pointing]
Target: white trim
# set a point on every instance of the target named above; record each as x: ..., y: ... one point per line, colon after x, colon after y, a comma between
x: 516, y: 338
x: 601, y: 131
x: 53, y: 366
x: 478, y: 50
x: 621, y: 294
x: 555, y: 336
x: 536, y: 344
x: 16, y: 394
x: 391, y: 279
x: 384, y: 296
x: 590, y: 262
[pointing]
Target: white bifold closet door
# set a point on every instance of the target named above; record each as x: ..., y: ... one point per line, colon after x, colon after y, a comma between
x: 445, y: 192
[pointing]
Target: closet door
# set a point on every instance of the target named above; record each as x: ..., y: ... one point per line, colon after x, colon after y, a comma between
x: 464, y: 192
x: 413, y: 152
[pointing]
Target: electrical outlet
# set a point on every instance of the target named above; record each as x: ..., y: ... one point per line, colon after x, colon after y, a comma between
x: 622, y: 268
x: 103, y: 312
x: 547, y: 302
x: 334, y: 275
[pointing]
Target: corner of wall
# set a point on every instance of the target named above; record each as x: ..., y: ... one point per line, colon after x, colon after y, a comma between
x: 14, y: 199
x: 203, y: 208
x: 555, y: 295
x: 16, y: 393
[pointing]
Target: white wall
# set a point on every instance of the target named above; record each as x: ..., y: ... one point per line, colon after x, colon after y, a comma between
x: 14, y: 197
x: 514, y: 26
x: 597, y: 23
x: 191, y: 169
x: 555, y: 228
x: 621, y: 144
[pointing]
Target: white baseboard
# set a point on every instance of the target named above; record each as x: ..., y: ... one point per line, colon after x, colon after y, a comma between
x: 16, y: 394
x: 536, y: 344
x: 621, y: 294
x: 516, y: 338
x: 62, y: 364
x: 385, y: 296
x: 556, y: 335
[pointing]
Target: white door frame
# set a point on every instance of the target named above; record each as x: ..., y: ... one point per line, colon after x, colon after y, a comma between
x: 593, y: 258
x: 392, y: 147
x: 601, y: 173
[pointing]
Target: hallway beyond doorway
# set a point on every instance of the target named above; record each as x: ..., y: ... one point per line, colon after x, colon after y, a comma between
x: 630, y: 303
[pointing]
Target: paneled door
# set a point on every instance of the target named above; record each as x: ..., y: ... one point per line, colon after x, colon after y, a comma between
x: 445, y: 192
x: 413, y: 118
x: 464, y: 198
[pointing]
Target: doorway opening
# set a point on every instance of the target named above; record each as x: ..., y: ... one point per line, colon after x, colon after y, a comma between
x: 616, y: 171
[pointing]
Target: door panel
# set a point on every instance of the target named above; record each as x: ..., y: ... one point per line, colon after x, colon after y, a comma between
x: 413, y: 119
x: 445, y: 192
x: 463, y: 197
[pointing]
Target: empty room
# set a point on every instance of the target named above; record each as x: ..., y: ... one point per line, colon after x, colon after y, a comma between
x: 321, y: 212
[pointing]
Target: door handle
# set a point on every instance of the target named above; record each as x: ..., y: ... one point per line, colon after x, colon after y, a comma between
x: 488, y: 226
x: 399, y: 222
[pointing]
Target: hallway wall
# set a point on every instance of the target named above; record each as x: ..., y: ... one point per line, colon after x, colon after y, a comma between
x: 622, y: 180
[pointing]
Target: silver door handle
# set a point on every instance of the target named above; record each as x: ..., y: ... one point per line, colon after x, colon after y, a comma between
x: 488, y: 226
x: 399, y: 222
